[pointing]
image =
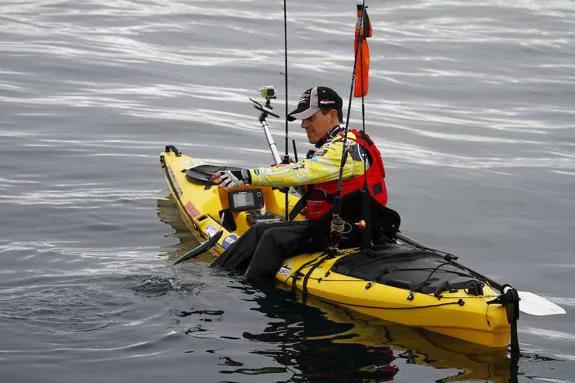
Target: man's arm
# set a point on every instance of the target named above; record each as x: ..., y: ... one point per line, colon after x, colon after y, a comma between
x: 322, y: 167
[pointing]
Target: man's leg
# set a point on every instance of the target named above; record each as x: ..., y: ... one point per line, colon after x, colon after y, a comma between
x: 239, y: 254
x: 276, y: 244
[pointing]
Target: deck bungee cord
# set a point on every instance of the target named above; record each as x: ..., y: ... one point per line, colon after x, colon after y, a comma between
x: 313, y: 262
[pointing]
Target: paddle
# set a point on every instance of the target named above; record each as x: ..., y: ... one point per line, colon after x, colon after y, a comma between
x: 202, y: 248
x: 529, y: 303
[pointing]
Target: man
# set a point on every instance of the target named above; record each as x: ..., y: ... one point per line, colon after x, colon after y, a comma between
x: 320, y: 111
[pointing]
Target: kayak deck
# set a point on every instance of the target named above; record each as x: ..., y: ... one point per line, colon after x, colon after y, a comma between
x: 460, y: 313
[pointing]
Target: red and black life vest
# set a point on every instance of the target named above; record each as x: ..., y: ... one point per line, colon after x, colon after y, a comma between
x: 320, y: 197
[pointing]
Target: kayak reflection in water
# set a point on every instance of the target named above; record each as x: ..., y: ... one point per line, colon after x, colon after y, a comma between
x: 261, y: 250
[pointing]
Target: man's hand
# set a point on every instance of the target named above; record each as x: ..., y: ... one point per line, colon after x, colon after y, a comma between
x: 231, y: 178
x: 285, y: 161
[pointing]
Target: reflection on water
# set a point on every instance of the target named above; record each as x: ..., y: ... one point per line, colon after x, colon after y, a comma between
x: 330, y: 341
x: 168, y: 213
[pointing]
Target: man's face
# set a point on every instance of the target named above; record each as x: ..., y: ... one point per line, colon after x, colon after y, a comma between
x: 319, y: 124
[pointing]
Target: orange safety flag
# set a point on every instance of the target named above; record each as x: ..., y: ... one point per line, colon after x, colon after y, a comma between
x: 362, y: 32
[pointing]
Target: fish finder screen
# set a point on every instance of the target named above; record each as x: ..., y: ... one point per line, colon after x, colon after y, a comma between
x: 246, y: 200
x: 243, y: 200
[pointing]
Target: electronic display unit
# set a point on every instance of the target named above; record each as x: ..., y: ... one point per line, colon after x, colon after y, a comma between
x: 246, y: 199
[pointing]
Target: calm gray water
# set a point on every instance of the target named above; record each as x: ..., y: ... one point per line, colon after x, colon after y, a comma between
x: 472, y: 104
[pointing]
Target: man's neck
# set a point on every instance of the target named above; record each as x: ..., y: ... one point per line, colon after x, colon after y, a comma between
x: 329, y: 135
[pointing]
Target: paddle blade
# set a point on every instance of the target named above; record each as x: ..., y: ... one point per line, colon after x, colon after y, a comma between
x: 201, y: 248
x: 534, y: 304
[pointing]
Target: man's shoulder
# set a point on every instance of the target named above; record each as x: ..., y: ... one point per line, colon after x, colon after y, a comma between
x: 352, y: 138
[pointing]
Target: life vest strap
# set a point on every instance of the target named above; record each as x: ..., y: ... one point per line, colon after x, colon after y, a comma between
x: 298, y: 207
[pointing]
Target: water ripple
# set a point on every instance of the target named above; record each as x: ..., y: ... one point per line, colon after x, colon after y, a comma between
x: 550, y: 334
x: 88, y: 197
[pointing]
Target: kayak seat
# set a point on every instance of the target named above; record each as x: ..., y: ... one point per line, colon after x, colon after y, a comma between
x: 382, y: 222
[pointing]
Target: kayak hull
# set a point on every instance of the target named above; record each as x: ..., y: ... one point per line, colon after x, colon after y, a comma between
x: 454, y: 313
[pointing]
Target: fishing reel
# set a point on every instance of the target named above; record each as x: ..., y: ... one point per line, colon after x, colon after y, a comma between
x: 338, y: 228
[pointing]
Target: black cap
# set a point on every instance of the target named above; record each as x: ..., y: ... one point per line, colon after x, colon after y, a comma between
x: 313, y: 100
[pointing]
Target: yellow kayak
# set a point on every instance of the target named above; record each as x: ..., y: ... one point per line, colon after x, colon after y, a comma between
x: 405, y: 285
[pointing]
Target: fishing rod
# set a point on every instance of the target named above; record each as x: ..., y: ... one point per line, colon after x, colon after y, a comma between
x: 337, y: 223
x: 364, y: 32
x: 286, y: 83
x: 286, y: 156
